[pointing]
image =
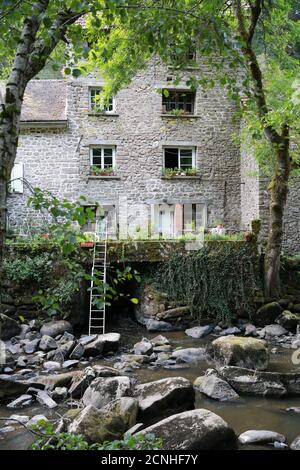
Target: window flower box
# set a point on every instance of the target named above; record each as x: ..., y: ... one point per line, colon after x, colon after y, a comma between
x: 175, y: 172
x: 98, y: 171
x: 87, y: 244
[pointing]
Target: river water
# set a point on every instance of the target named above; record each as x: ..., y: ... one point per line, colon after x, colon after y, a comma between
x: 242, y: 415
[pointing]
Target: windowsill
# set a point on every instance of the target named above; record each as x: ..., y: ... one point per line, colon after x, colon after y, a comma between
x: 187, y: 67
x: 90, y: 113
x: 181, y: 177
x: 100, y: 177
x: 179, y: 116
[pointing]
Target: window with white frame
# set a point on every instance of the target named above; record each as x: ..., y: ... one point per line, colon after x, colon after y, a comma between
x: 97, y: 102
x: 182, y: 158
x: 102, y: 157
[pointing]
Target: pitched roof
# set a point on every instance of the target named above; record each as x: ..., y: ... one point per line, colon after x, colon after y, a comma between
x: 44, y: 101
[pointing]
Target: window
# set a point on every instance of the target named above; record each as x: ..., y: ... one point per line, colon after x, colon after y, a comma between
x: 174, y: 100
x: 97, y: 103
x: 103, y: 157
x: 182, y: 158
x: 16, y: 178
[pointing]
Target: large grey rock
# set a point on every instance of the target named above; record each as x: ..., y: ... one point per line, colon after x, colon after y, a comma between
x: 82, y: 380
x: 189, y: 354
x: 163, y: 398
x: 193, y: 430
x: 37, y: 419
x: 295, y: 445
x: 250, y: 382
x: 105, y: 424
x: 63, y: 351
x: 47, y: 343
x: 260, y: 437
x: 21, y: 402
x: 103, y: 390
x: 143, y: 347
x: 8, y: 327
x: 156, y: 325
x: 103, y: 344
x: 9, y: 387
x: 160, y: 340
x: 56, y: 328
x: 267, y: 314
x: 44, y: 399
x: 52, y: 365
x: 199, y: 331
x: 269, y: 332
x: 250, y: 353
x: 214, y: 387
x: 77, y: 352
x: 31, y: 346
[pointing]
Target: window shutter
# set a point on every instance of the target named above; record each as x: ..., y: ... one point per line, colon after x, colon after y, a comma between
x: 17, y: 183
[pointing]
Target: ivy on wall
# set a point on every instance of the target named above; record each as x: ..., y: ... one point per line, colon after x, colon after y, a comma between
x: 220, y: 281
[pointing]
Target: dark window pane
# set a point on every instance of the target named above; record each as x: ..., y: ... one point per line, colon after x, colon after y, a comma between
x: 108, y: 162
x: 171, y: 158
x: 182, y: 100
x: 108, y: 152
x: 97, y: 161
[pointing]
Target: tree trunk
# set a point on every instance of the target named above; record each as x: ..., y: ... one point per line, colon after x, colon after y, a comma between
x: 278, y: 190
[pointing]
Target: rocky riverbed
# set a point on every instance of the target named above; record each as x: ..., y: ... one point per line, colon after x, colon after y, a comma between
x: 201, y: 376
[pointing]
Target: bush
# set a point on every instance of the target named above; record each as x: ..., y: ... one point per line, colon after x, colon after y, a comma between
x: 48, y: 439
x: 27, y: 269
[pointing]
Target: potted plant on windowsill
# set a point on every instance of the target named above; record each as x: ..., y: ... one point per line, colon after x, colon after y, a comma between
x: 97, y: 171
x: 172, y: 172
x: 88, y: 240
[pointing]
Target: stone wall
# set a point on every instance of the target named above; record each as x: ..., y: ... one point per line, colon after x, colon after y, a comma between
x: 249, y: 187
x: 59, y: 159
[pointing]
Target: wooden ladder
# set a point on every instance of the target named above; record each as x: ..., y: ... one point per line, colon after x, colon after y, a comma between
x: 96, y: 314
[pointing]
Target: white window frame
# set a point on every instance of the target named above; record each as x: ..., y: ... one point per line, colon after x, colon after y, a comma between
x: 16, y: 178
x: 100, y: 89
x: 102, y: 147
x: 193, y: 149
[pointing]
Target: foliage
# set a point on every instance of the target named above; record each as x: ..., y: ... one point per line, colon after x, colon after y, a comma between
x: 27, y: 269
x: 66, y: 217
x: 101, y: 171
x: 171, y: 172
x: 48, y: 439
x: 217, y: 281
x: 112, y: 290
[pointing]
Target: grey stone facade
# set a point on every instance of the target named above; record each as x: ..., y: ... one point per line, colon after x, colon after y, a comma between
x: 56, y: 156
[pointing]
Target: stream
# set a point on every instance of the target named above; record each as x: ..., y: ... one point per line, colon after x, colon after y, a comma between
x: 242, y: 415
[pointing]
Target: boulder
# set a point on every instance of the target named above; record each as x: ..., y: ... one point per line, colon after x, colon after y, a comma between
x: 288, y: 320
x: 52, y: 381
x: 250, y: 330
x: 14, y: 419
x: 31, y: 346
x: 294, y: 409
x: 56, y: 328
x: 44, y: 399
x: 21, y: 402
x: 9, y: 387
x: 36, y: 419
x: 295, y: 445
x: 156, y: 325
x: 163, y: 398
x: 103, y: 390
x: 270, y: 332
x: 189, y: 354
x: 47, y: 343
x: 59, y: 393
x: 230, y: 350
x: 173, y: 313
x: 105, y: 424
x: 214, y: 387
x: 250, y: 382
x: 160, y: 340
x: 8, y: 327
x: 260, y: 437
x: 103, y: 344
x: 52, y: 365
x: 143, y: 347
x: 267, y: 314
x: 77, y: 352
x: 193, y: 430
x: 63, y: 351
x: 70, y: 363
x: 199, y: 331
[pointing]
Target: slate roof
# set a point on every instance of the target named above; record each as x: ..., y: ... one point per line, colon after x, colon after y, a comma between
x: 44, y: 101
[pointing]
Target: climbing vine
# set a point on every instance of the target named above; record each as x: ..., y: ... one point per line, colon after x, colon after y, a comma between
x: 218, y: 282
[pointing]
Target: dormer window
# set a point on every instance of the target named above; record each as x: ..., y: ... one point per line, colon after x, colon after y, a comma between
x: 97, y: 104
x: 178, y: 101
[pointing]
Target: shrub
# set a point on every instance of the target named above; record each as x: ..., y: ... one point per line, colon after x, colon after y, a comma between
x: 27, y: 269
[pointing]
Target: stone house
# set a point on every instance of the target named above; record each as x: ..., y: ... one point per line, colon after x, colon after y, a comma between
x: 159, y: 162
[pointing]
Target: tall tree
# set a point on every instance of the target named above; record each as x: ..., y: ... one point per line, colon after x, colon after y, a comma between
x: 250, y: 45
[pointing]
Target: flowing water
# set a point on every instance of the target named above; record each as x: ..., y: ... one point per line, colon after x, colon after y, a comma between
x: 242, y: 415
